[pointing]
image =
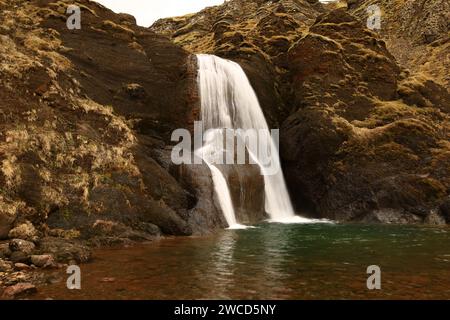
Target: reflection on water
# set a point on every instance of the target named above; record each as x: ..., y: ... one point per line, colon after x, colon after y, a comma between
x: 272, y: 261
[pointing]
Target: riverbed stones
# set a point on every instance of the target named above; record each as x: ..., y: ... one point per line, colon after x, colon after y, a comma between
x: 25, y: 231
x: 5, y: 252
x: 5, y: 266
x: 63, y: 250
x: 43, y: 261
x: 22, y: 266
x: 19, y: 290
x: 20, y: 245
x: 19, y: 256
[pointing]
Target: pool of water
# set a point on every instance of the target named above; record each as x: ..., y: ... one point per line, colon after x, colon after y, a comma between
x: 271, y: 261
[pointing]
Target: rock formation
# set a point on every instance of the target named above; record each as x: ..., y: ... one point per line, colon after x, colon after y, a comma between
x: 86, y: 117
x: 364, y: 120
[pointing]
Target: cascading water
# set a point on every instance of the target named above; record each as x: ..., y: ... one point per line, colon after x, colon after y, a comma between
x: 228, y: 101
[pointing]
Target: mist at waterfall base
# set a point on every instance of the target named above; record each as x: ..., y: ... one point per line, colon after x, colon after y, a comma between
x: 228, y: 101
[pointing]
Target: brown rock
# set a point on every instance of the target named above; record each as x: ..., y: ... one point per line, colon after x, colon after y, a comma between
x: 6, y: 221
x: 22, y: 266
x: 5, y: 266
x: 63, y: 250
x: 19, y: 257
x: 25, y: 231
x: 43, y: 261
x: 19, y: 290
x: 24, y: 246
x: 5, y: 252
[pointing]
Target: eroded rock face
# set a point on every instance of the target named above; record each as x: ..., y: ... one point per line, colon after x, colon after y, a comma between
x: 85, y: 116
x: 256, y: 34
x: 354, y: 146
x: 362, y: 138
x: 416, y: 32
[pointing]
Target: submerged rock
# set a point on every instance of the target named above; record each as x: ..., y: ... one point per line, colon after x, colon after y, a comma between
x: 19, y: 290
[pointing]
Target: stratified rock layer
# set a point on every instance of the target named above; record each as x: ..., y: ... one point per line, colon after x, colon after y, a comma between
x: 362, y: 138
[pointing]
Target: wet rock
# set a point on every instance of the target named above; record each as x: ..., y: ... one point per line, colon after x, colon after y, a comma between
x: 389, y: 216
x: 5, y: 252
x: 22, y: 266
x: 43, y: 261
x: 150, y: 229
x: 25, y: 231
x: 64, y: 250
x: 445, y: 209
x: 205, y: 214
x: 5, y: 266
x: 19, y: 257
x: 104, y: 228
x: 19, y: 290
x: 21, y: 250
x: 435, y: 218
x: 19, y: 245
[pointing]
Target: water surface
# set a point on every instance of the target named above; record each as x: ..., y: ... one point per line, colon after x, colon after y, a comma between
x: 272, y: 261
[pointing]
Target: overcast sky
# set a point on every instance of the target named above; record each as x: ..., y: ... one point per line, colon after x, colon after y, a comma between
x: 148, y: 11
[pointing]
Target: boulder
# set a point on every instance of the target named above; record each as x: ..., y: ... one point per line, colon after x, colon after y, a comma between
x: 5, y: 266
x: 21, y: 266
x: 25, y: 231
x: 19, y: 290
x: 19, y: 245
x: 43, y: 261
x: 64, y: 251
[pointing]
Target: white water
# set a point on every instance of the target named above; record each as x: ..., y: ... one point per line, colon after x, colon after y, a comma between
x: 220, y: 187
x: 229, y: 101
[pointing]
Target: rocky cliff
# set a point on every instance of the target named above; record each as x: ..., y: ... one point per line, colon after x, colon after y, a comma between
x: 86, y: 117
x: 364, y: 114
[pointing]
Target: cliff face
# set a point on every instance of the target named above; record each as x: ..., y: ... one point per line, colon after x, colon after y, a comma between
x: 256, y: 34
x: 86, y: 117
x: 416, y: 33
x: 368, y: 141
x: 365, y: 129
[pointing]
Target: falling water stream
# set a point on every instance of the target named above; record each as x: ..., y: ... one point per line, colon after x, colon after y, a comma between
x: 228, y: 101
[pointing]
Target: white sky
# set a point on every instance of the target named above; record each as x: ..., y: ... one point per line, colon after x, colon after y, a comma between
x: 148, y: 11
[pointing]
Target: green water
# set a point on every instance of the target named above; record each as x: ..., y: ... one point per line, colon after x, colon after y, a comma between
x: 272, y: 261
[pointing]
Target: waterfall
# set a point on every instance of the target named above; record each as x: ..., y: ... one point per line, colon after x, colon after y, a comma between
x: 228, y: 101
